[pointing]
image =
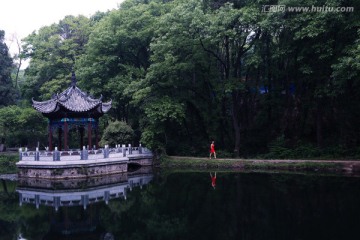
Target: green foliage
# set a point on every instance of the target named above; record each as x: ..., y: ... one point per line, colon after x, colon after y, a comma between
x: 224, y: 154
x: 8, y: 163
x: 184, y: 72
x: 153, y: 138
x: 278, y: 149
x: 160, y: 116
x: 347, y: 69
x: 7, y: 91
x: 117, y: 132
x: 53, y: 51
x: 22, y: 127
x: 165, y: 110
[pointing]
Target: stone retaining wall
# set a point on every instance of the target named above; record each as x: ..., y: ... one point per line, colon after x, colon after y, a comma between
x: 73, y: 170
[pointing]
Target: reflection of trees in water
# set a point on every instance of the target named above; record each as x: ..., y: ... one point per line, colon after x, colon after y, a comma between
x: 74, y: 223
x: 8, y: 211
x: 3, y: 182
x: 183, y: 206
x: 246, y: 206
x: 8, y: 188
x: 62, y: 221
x: 108, y: 236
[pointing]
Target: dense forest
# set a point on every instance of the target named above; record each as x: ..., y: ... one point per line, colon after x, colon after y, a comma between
x: 183, y: 73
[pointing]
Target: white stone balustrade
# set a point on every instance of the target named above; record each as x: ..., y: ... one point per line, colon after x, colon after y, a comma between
x: 84, y: 154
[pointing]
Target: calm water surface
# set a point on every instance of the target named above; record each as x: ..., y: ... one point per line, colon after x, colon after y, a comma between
x: 183, y: 205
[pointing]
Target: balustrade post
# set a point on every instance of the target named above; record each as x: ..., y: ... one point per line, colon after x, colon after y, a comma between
x: 20, y: 154
x: 56, y: 155
x: 37, y: 154
x: 130, y: 150
x: 107, y: 196
x: 85, y: 200
x: 37, y: 200
x: 106, y: 151
x: 56, y: 201
x: 84, y: 155
x: 20, y: 199
x: 124, y: 150
x: 140, y: 149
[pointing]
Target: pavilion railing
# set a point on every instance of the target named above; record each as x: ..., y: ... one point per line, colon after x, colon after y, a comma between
x: 84, y: 154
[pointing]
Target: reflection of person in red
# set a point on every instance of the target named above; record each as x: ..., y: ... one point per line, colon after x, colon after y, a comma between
x: 212, y: 149
x: 213, y: 180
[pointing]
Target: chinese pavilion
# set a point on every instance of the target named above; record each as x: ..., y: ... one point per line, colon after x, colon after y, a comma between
x: 72, y: 109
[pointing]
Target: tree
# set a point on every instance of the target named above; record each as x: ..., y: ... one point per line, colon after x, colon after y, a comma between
x: 117, y: 58
x: 231, y: 34
x: 53, y: 52
x: 7, y: 91
x: 19, y: 59
x: 182, y: 73
x: 117, y: 55
x: 117, y: 132
x: 345, y: 86
x: 197, y: 60
x: 22, y: 126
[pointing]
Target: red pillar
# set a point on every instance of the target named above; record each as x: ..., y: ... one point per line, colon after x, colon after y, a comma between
x: 96, y: 137
x: 66, y: 147
x: 60, y: 133
x: 89, y: 134
x: 81, y: 129
x: 50, y: 137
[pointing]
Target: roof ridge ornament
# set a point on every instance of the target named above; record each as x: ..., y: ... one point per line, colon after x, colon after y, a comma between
x: 73, y: 79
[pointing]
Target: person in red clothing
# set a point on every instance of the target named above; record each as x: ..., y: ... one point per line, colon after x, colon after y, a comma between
x: 212, y: 149
x: 213, y: 180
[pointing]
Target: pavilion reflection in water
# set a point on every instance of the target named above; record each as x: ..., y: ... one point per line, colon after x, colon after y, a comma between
x: 80, y: 192
x: 75, y: 204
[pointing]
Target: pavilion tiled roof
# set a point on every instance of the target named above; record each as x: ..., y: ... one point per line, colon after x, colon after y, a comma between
x: 73, y: 99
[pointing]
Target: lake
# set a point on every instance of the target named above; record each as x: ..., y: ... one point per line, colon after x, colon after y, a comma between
x: 183, y: 205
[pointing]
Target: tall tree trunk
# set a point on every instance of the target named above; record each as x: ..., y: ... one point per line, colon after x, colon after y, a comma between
x: 319, y: 132
x: 227, y: 58
x: 20, y: 61
x: 236, y: 123
x: 269, y: 84
x: 236, y: 104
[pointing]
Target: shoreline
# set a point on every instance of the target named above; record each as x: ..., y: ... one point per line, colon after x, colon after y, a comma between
x: 340, y: 166
x: 301, y: 165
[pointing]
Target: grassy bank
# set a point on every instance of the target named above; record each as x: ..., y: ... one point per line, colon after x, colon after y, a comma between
x: 242, y: 164
x: 7, y: 163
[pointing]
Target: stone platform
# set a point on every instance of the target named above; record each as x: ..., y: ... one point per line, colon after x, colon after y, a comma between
x: 80, y: 164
